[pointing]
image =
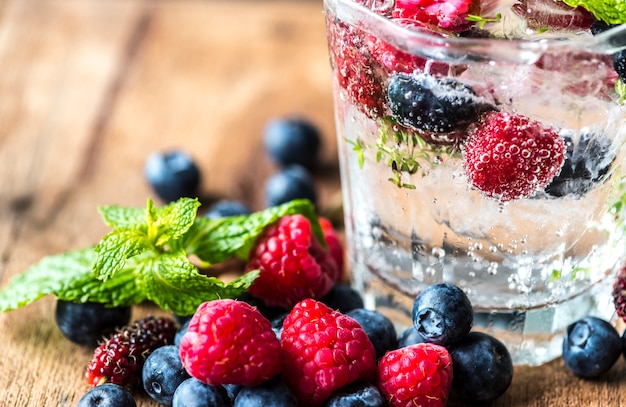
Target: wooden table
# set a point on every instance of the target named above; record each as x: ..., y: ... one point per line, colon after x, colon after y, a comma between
x: 89, y: 88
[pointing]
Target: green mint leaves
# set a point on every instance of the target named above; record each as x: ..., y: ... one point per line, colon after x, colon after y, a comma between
x: 146, y: 258
x: 609, y: 11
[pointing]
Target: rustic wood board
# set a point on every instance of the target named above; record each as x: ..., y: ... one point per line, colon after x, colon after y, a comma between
x: 89, y: 88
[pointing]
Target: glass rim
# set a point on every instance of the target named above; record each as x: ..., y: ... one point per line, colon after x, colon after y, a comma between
x: 466, y: 49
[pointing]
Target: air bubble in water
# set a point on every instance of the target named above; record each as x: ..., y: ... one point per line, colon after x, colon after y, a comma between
x: 559, y: 233
x: 493, y: 268
x: 438, y: 252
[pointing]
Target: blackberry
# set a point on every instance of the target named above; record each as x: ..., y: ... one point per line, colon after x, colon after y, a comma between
x: 172, y: 175
x: 378, y: 328
x: 482, y: 368
x: 591, y: 346
x: 357, y: 395
x: 292, y: 182
x: 194, y: 393
x: 424, y: 102
x: 442, y: 314
x: 87, y: 323
x: 107, y: 395
x: 162, y: 373
x: 619, y: 293
x: 120, y: 359
x: 273, y: 393
x: 586, y: 164
x: 294, y: 140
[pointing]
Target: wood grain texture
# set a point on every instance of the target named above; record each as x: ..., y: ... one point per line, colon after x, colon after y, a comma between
x: 89, y: 88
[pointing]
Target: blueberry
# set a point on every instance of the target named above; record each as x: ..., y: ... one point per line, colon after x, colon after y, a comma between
x: 619, y: 58
x: 442, y: 314
x: 482, y: 368
x: 107, y: 395
x: 378, y: 328
x: 585, y: 164
x: 172, y: 175
x: 225, y: 208
x: 273, y: 393
x: 292, y: 141
x: 591, y: 346
x: 87, y: 323
x: 277, y: 324
x: 194, y: 393
x: 357, y: 395
x: 162, y: 373
x: 232, y: 390
x: 426, y: 103
x: 181, y: 332
x: 293, y: 182
x: 409, y: 337
x: 343, y: 298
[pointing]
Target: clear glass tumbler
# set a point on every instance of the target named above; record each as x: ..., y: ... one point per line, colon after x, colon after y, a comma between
x: 486, y: 159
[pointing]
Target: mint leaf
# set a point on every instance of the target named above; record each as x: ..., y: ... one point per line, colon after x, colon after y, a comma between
x: 609, y: 11
x: 146, y: 257
x: 174, y: 284
x: 69, y: 276
x: 217, y: 240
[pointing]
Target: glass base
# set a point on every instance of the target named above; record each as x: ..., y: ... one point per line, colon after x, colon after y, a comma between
x: 532, y: 336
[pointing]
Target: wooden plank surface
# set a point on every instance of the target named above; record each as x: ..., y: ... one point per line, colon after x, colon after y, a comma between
x: 89, y: 88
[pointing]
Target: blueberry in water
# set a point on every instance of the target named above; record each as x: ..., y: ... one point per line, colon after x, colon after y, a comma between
x: 424, y: 102
x: 409, y: 337
x: 379, y: 329
x: 273, y: 393
x: 194, y: 393
x: 343, y: 298
x: 586, y: 164
x: 225, y: 208
x: 442, y: 314
x: 292, y: 182
x: 162, y: 373
x: 107, y: 395
x: 293, y: 140
x: 357, y: 395
x: 87, y: 323
x: 172, y: 175
x: 482, y: 368
x: 591, y: 346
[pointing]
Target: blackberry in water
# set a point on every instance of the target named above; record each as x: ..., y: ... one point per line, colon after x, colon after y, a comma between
x: 424, y: 102
x: 586, y: 164
x: 87, y: 323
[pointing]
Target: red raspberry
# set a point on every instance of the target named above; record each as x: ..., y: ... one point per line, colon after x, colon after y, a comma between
x: 323, y: 350
x: 293, y: 264
x: 230, y: 342
x: 416, y: 375
x: 619, y: 293
x: 508, y: 156
x: 450, y: 15
x: 335, y: 247
x: 120, y: 359
x: 354, y: 68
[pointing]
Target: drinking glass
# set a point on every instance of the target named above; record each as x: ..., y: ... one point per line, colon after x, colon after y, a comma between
x: 411, y: 106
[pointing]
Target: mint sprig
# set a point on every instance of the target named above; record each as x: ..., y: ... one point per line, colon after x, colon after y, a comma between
x: 146, y: 257
x: 609, y: 11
